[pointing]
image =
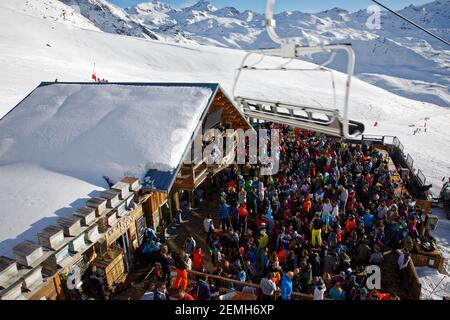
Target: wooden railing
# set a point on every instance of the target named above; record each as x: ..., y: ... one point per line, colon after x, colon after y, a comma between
x: 295, y: 295
x: 396, y: 151
x: 412, y: 279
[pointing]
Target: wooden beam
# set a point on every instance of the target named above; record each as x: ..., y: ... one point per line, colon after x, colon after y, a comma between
x: 183, y: 186
x: 301, y: 296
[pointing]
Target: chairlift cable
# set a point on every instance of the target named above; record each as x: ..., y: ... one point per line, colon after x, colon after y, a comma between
x: 412, y: 22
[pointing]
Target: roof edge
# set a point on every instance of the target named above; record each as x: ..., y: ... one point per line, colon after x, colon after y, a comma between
x: 143, y: 84
x: 194, y: 134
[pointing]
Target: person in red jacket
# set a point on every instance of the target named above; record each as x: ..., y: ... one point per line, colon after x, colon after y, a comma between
x: 307, y: 206
x: 183, y: 295
x: 350, y: 225
x: 243, y: 214
x: 232, y: 185
x: 198, y: 260
x: 281, y: 254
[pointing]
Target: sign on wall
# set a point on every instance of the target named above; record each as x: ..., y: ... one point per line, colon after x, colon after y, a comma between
x: 122, y: 225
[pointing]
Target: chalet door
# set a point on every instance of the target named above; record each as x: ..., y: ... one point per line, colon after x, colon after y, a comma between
x: 165, y: 215
x: 124, y: 243
x: 141, y: 226
x: 185, y: 199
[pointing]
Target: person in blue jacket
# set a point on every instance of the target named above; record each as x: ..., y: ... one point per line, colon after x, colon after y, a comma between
x: 224, y: 215
x: 336, y: 292
x: 368, y: 221
x: 268, y: 215
x: 286, y: 286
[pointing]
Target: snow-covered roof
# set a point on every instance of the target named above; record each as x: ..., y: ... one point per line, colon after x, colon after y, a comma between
x: 59, y: 142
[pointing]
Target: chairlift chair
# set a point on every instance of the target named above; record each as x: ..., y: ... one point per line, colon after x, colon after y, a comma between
x: 324, y: 120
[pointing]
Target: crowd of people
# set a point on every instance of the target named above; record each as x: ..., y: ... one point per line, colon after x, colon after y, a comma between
x: 312, y: 228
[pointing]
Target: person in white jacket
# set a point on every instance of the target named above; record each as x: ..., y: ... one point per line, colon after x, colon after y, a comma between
x: 268, y: 287
x: 319, y: 290
x: 335, y: 212
x: 208, y: 226
x: 343, y: 197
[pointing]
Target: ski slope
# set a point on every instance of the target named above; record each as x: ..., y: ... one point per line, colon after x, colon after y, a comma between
x: 67, y: 53
x: 38, y: 49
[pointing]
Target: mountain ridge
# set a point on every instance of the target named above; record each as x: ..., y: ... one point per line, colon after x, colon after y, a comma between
x: 397, y: 57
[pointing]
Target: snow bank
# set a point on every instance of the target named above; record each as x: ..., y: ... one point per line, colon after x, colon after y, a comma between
x: 56, y: 146
x: 442, y: 236
x: 34, y: 197
x: 435, y: 285
x: 90, y: 130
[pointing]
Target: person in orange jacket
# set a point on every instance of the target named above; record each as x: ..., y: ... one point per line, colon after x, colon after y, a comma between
x: 350, y: 225
x: 307, y: 206
x: 182, y: 276
x: 276, y: 277
x: 340, y: 235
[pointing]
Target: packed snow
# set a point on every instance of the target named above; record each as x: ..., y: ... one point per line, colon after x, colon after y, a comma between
x: 34, y: 197
x: 82, y: 132
x: 68, y: 54
x: 118, y: 129
x: 435, y: 285
x: 442, y: 236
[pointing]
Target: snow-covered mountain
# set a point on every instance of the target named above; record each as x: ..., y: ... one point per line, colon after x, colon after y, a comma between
x: 44, y: 45
x: 398, y: 57
x: 110, y: 18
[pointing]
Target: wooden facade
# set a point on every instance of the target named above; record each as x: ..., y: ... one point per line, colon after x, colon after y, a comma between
x: 51, y: 290
x: 151, y: 208
x: 194, y: 171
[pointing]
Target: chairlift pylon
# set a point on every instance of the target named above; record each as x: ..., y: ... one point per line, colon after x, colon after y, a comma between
x: 325, y: 120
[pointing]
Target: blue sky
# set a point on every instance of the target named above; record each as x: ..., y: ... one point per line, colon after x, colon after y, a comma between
x: 281, y: 5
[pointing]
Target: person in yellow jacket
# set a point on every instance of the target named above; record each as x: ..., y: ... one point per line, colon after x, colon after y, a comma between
x: 263, y: 239
x: 316, y: 231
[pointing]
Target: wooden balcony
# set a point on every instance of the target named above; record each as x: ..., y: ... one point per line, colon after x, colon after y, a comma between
x: 192, y: 175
